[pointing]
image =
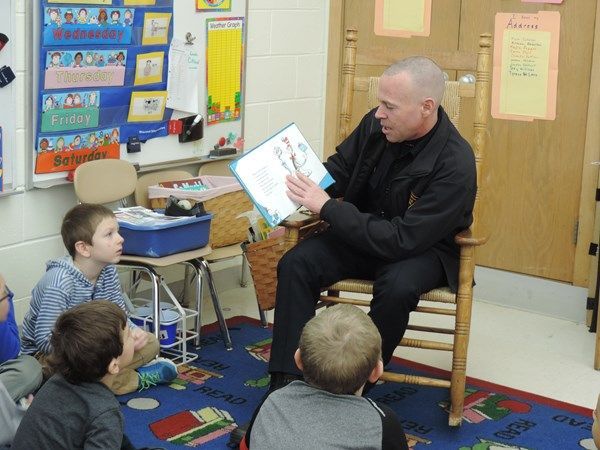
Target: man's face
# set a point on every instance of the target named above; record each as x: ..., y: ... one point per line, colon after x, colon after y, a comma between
x: 4, y: 303
x: 400, y: 112
x: 107, y: 243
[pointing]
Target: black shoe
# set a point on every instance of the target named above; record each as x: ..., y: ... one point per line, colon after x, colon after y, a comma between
x: 237, y: 435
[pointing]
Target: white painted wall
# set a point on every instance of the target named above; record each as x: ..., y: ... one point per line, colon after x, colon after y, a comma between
x: 287, y: 41
x: 286, y: 69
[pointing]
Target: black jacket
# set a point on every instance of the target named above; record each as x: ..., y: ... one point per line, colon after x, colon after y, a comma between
x: 441, y: 180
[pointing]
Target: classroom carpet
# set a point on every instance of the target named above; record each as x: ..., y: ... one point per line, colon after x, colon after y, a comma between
x: 220, y: 390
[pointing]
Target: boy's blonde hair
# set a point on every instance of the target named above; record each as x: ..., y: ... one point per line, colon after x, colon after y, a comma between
x: 339, y: 349
x: 80, y: 223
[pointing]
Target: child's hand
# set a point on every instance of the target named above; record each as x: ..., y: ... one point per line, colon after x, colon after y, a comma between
x: 140, y: 338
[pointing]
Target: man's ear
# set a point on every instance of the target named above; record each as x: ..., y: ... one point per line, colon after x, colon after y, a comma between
x: 82, y: 248
x: 113, y: 366
x: 428, y: 107
x: 376, y: 372
x: 298, y: 359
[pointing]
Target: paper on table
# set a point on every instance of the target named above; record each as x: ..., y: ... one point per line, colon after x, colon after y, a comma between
x: 262, y: 172
x: 183, y: 79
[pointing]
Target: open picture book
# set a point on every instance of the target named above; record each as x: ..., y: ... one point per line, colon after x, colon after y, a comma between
x: 262, y: 171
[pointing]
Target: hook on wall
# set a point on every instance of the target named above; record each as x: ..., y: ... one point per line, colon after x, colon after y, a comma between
x: 189, y: 38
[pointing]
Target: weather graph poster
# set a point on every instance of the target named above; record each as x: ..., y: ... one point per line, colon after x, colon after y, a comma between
x: 224, y: 55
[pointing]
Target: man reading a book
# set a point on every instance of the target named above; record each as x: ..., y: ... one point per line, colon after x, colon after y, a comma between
x: 405, y: 185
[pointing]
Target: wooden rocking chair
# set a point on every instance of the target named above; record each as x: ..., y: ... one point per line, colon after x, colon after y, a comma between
x: 458, y: 305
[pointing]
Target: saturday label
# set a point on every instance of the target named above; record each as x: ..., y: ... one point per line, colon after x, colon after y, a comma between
x: 61, y: 153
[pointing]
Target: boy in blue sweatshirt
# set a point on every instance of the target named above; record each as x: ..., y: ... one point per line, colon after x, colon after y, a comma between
x: 91, y: 235
x: 20, y: 375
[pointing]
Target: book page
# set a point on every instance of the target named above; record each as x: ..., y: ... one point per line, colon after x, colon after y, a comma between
x: 262, y: 172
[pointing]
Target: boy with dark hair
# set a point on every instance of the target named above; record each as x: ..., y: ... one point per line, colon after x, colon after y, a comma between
x: 339, y: 351
x: 91, y: 344
x: 20, y: 375
x: 91, y: 235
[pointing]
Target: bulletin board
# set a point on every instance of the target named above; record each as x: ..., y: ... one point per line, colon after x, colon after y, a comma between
x: 135, y: 101
x: 8, y: 98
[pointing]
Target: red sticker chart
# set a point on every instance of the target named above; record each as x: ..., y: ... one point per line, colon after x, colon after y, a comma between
x: 84, y: 68
x: 224, y: 54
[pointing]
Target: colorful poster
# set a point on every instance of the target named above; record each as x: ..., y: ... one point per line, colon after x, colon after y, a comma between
x: 85, y: 68
x: 224, y: 53
x: 147, y: 106
x: 402, y: 19
x: 525, y: 78
x: 62, y: 153
x: 156, y: 28
x: 70, y: 111
x: 149, y: 68
x: 86, y: 2
x: 84, y: 26
x: 213, y: 5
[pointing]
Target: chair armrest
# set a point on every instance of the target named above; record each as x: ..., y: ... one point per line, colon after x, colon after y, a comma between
x: 300, y: 226
x: 466, y: 237
x: 300, y: 220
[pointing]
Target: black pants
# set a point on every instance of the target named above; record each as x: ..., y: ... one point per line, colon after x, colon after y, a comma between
x: 324, y: 259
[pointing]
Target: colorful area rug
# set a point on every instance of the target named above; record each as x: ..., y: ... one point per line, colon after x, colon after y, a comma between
x: 221, y: 389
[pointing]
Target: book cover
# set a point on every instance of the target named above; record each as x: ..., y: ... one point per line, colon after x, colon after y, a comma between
x: 262, y: 171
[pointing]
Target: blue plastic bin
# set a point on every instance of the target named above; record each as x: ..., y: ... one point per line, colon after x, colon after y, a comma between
x: 165, y: 239
x: 168, y: 323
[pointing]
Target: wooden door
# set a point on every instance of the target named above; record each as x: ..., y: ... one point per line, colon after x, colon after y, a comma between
x: 531, y: 209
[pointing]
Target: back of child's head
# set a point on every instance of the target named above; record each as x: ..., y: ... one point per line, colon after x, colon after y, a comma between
x: 339, y: 349
x: 85, y: 340
x: 80, y: 223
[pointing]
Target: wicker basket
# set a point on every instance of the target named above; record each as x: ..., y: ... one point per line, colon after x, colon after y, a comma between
x: 263, y: 257
x: 225, y: 228
x: 224, y: 198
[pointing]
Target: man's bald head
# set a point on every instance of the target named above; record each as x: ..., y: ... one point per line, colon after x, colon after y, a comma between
x: 426, y: 76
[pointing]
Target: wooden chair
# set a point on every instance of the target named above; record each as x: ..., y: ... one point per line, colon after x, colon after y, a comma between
x: 112, y: 180
x: 457, y: 305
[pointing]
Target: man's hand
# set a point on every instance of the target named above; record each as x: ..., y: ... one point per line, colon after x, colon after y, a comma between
x: 306, y: 192
x: 140, y: 338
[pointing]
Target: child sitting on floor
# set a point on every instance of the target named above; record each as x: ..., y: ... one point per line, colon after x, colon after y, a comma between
x: 91, y: 344
x: 20, y: 375
x: 91, y: 235
x: 339, y: 351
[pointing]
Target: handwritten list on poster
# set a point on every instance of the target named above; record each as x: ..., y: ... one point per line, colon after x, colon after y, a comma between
x: 525, y: 73
x: 525, y: 66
